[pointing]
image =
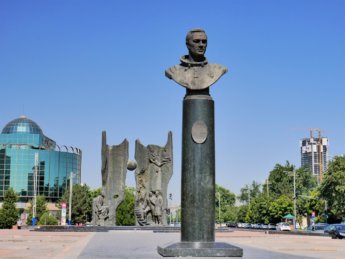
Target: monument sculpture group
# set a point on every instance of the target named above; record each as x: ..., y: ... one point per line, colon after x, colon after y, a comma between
x: 153, y: 170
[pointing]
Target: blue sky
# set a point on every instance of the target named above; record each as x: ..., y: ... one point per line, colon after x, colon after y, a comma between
x: 80, y: 67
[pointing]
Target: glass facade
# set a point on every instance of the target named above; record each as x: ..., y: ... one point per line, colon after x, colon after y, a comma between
x: 21, y: 141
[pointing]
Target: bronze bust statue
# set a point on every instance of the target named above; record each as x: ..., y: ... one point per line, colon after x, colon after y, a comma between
x: 194, y: 72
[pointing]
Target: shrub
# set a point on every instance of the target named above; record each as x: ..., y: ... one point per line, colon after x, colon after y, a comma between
x: 47, y: 219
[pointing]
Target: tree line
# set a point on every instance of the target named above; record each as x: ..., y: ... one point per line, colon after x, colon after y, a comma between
x: 260, y: 203
x: 271, y: 201
x: 82, y: 197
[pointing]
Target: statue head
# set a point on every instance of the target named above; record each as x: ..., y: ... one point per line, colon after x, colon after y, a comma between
x: 196, y: 41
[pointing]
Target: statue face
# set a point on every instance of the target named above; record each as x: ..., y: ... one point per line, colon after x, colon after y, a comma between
x: 197, y: 44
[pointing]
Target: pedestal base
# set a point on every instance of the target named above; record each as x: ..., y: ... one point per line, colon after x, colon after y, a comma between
x: 200, y: 249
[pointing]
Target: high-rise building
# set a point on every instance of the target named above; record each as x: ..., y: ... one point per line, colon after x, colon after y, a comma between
x: 314, y: 155
x: 33, y: 164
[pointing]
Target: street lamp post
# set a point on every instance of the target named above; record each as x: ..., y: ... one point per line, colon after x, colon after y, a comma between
x: 294, y: 198
x: 70, y: 198
x: 219, y: 208
x: 34, y: 202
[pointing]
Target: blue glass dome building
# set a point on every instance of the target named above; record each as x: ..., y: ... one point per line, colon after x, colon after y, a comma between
x: 21, y: 140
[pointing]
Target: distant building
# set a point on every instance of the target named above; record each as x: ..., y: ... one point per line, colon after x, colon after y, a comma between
x: 28, y: 158
x: 314, y: 155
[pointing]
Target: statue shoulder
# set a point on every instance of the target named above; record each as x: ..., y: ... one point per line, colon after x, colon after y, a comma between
x: 178, y: 74
x: 171, y: 72
x: 218, y: 69
x: 214, y: 73
x: 197, y: 77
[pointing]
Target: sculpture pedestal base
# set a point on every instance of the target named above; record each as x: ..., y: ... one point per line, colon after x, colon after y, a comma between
x: 200, y: 249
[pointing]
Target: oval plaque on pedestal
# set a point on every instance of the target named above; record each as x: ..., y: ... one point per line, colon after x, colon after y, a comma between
x: 199, y: 132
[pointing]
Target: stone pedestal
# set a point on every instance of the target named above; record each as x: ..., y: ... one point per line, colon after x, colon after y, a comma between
x: 198, y: 169
x: 198, y: 183
x: 200, y: 249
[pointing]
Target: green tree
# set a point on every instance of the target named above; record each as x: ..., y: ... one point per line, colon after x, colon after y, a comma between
x: 9, y: 212
x: 125, y: 211
x: 242, y: 213
x: 47, y: 219
x: 280, y: 182
x: 281, y: 179
x: 332, y: 188
x: 249, y: 192
x: 230, y: 215
x: 226, y: 202
x: 41, y: 208
x: 176, y: 216
x: 306, y: 204
x: 280, y: 207
x: 95, y: 192
x: 273, y: 200
x: 305, y: 181
x: 81, y: 203
x: 259, y: 210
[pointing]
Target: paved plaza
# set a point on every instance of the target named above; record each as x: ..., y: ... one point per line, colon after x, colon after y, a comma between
x: 143, y: 244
